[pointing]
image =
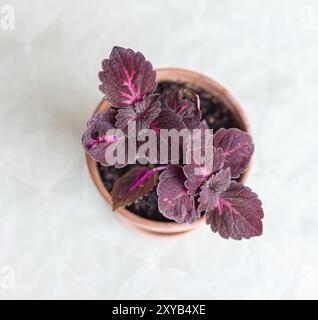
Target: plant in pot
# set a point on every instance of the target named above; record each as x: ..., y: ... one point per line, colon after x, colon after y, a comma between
x: 156, y: 183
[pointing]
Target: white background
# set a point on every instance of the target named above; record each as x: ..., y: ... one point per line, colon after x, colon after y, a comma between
x: 57, y: 233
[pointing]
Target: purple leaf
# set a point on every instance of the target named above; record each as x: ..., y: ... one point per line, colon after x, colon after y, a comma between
x: 238, y: 148
x: 133, y: 185
x: 173, y: 200
x: 185, y: 103
x: 102, y: 133
x: 141, y: 114
x: 167, y: 119
x: 238, y: 213
x: 108, y: 116
x: 197, y: 174
x: 199, y: 136
x: 126, y: 77
x: 99, y: 135
x: 212, y: 189
x: 126, y: 158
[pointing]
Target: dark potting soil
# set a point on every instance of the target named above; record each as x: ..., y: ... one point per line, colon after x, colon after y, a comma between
x: 216, y: 116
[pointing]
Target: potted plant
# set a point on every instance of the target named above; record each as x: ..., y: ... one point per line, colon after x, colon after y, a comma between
x: 171, y: 194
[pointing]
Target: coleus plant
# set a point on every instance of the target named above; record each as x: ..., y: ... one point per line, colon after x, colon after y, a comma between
x: 185, y: 191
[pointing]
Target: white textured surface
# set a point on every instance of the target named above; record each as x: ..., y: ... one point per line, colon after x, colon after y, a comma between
x: 55, y: 230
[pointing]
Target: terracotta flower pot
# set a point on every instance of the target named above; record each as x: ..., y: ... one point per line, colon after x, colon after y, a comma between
x: 195, y: 80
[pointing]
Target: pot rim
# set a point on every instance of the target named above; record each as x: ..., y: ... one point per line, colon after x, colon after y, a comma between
x: 199, y: 81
